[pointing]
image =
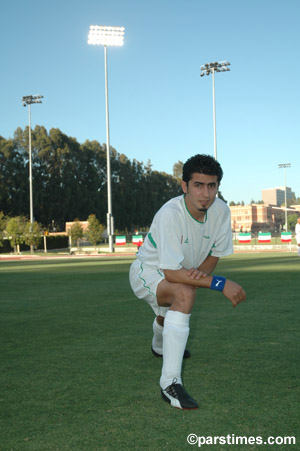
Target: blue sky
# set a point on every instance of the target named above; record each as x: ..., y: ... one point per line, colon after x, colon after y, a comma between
x: 160, y: 108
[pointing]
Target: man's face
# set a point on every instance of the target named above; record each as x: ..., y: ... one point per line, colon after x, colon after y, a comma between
x: 200, y: 193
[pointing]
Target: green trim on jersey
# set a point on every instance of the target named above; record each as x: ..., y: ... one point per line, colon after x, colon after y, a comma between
x: 212, y: 249
x: 152, y: 240
x: 199, y: 222
x: 144, y: 281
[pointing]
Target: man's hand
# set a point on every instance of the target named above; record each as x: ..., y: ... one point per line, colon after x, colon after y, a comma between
x: 234, y: 292
x: 196, y: 274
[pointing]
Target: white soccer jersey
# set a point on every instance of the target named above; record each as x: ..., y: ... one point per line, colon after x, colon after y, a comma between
x: 177, y: 240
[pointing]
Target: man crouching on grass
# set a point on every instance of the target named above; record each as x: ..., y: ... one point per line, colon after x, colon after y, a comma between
x: 187, y: 237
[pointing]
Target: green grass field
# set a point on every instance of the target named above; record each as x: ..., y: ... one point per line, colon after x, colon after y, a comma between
x: 77, y: 372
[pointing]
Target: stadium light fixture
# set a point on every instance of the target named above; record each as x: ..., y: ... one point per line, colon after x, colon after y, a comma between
x: 107, y: 36
x: 211, y: 68
x: 285, y: 166
x: 29, y: 100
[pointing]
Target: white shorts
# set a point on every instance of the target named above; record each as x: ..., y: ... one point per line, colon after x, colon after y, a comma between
x: 144, y: 281
x: 298, y: 239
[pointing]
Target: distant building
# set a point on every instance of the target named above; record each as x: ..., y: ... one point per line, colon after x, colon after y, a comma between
x: 276, y: 196
x: 84, y: 225
x: 258, y: 217
x: 245, y: 218
x: 296, y: 207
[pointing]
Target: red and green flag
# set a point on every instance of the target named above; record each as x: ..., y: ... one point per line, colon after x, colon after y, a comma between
x: 264, y: 237
x: 286, y: 237
x: 120, y: 240
x: 137, y: 239
x: 244, y: 237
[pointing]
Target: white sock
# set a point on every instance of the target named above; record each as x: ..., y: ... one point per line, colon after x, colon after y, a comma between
x: 175, y: 335
x: 157, y: 341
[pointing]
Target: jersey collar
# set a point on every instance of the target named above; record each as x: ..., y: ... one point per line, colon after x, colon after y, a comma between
x: 199, y: 222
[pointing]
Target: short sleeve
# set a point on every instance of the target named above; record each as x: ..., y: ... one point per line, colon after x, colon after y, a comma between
x: 223, y: 243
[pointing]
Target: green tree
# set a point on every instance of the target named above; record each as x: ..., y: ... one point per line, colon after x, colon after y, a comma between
x: 124, y: 188
x: 177, y: 171
x: 15, y: 229
x: 94, y: 230
x: 2, y: 227
x: 70, y: 180
x: 76, y: 232
x: 292, y: 221
x: 14, y: 195
x: 256, y: 202
x: 155, y: 189
x: 289, y: 202
x: 32, y: 234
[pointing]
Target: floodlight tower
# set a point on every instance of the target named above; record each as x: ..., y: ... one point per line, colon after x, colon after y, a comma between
x: 285, y: 166
x: 211, y: 68
x: 103, y: 35
x: 29, y: 100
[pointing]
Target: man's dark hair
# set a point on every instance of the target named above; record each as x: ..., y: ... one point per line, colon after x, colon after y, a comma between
x: 203, y: 164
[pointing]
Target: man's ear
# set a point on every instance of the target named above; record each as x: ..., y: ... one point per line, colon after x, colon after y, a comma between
x: 184, y: 186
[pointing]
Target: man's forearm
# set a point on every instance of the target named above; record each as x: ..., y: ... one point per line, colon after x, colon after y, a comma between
x: 194, y: 277
x: 209, y: 264
x: 182, y: 276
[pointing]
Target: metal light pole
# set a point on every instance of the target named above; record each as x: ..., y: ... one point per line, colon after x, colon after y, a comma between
x: 284, y: 166
x: 211, y: 68
x: 29, y: 100
x: 103, y: 35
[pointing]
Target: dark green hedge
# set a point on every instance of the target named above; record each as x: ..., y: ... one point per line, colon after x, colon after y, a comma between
x: 53, y: 242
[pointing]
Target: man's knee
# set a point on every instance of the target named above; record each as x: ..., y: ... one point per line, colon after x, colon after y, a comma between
x: 184, y: 296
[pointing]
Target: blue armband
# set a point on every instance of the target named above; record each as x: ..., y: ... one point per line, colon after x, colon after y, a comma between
x: 218, y: 283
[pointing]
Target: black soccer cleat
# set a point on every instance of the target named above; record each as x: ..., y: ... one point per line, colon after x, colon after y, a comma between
x: 186, y: 354
x: 177, y: 396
